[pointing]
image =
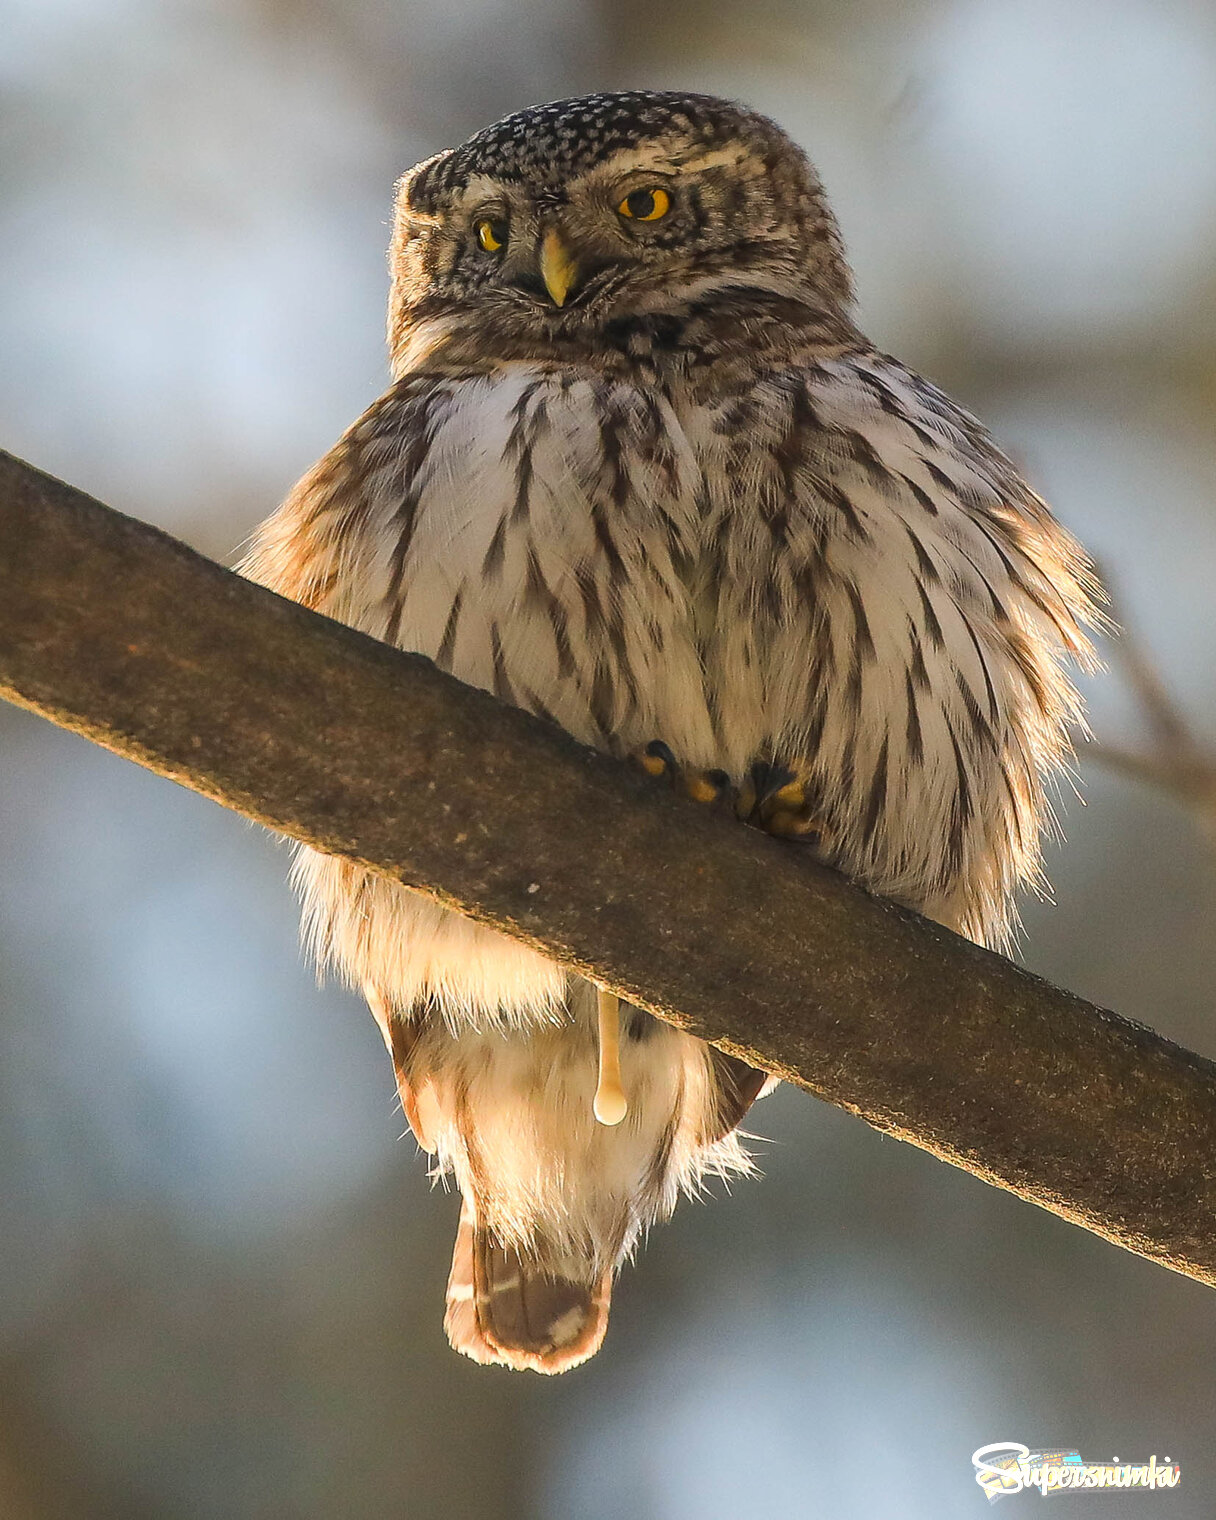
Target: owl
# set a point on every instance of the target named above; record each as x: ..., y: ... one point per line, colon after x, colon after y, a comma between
x: 639, y: 473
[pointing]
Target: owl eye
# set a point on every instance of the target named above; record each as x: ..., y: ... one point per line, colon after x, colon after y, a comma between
x: 645, y: 205
x: 491, y: 233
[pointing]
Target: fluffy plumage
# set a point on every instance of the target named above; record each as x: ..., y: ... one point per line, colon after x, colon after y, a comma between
x: 646, y: 477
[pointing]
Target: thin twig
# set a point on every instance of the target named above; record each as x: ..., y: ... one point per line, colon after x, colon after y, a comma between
x: 1177, y: 762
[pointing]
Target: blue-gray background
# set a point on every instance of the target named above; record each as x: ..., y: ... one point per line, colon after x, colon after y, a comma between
x: 221, y: 1269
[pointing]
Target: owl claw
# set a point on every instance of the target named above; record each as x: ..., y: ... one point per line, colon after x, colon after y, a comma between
x: 788, y: 824
x: 657, y: 760
x: 782, y: 802
x: 706, y: 786
x: 770, y: 797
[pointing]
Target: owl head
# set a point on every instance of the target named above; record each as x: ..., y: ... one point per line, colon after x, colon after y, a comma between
x: 565, y: 218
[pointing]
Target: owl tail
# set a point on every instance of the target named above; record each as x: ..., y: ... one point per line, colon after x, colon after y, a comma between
x: 503, y: 1308
x: 558, y: 1175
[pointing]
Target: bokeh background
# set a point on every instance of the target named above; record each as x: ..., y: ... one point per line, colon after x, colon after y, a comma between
x: 221, y: 1268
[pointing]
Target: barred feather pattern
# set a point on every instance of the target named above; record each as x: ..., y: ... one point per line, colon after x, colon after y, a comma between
x: 734, y: 527
x: 832, y: 566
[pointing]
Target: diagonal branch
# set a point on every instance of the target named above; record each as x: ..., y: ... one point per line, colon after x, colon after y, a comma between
x: 113, y: 629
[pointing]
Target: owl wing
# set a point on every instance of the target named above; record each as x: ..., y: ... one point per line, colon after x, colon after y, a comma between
x: 910, y: 603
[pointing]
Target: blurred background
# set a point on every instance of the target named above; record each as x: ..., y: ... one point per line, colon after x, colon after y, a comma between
x: 221, y: 1268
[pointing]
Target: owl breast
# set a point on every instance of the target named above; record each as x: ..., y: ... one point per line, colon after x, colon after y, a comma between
x: 549, y: 555
x: 821, y: 569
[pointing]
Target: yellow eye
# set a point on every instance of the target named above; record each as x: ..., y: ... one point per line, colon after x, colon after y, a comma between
x: 645, y: 205
x: 491, y: 234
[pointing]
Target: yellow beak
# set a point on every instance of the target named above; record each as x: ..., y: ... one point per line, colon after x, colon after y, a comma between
x: 558, y: 268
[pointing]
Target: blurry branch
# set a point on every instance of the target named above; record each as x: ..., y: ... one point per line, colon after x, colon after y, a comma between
x: 1177, y: 761
x: 119, y: 632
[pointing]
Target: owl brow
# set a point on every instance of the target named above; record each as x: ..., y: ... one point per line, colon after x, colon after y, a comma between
x: 693, y: 161
x: 482, y: 194
x: 666, y: 160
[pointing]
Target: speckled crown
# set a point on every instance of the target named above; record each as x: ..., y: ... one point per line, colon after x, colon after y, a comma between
x: 552, y: 141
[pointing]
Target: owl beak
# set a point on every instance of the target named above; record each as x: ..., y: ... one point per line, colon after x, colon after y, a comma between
x: 558, y: 267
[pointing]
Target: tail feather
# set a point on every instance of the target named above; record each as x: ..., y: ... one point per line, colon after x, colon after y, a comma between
x: 554, y: 1200
x: 504, y: 1308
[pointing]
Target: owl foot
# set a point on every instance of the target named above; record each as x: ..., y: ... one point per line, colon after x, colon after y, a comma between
x: 770, y: 797
x: 776, y: 799
x: 702, y: 786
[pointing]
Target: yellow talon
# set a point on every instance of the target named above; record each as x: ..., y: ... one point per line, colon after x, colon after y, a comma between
x: 657, y: 759
x: 700, y: 788
x: 788, y: 824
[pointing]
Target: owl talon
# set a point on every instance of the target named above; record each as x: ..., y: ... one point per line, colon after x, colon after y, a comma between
x: 786, y: 824
x: 657, y: 760
x: 781, y: 802
x: 770, y: 797
x: 706, y: 786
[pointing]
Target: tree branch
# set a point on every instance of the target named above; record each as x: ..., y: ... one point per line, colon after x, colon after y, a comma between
x: 1177, y: 761
x: 115, y: 630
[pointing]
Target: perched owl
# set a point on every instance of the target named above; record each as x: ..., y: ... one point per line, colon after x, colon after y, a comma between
x: 639, y: 473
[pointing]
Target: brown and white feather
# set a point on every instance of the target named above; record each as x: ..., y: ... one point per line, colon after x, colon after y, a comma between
x: 696, y: 506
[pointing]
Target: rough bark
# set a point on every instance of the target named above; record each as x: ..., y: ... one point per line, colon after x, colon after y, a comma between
x: 119, y: 632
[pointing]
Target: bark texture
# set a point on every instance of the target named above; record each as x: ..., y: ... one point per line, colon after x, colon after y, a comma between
x: 114, y: 629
